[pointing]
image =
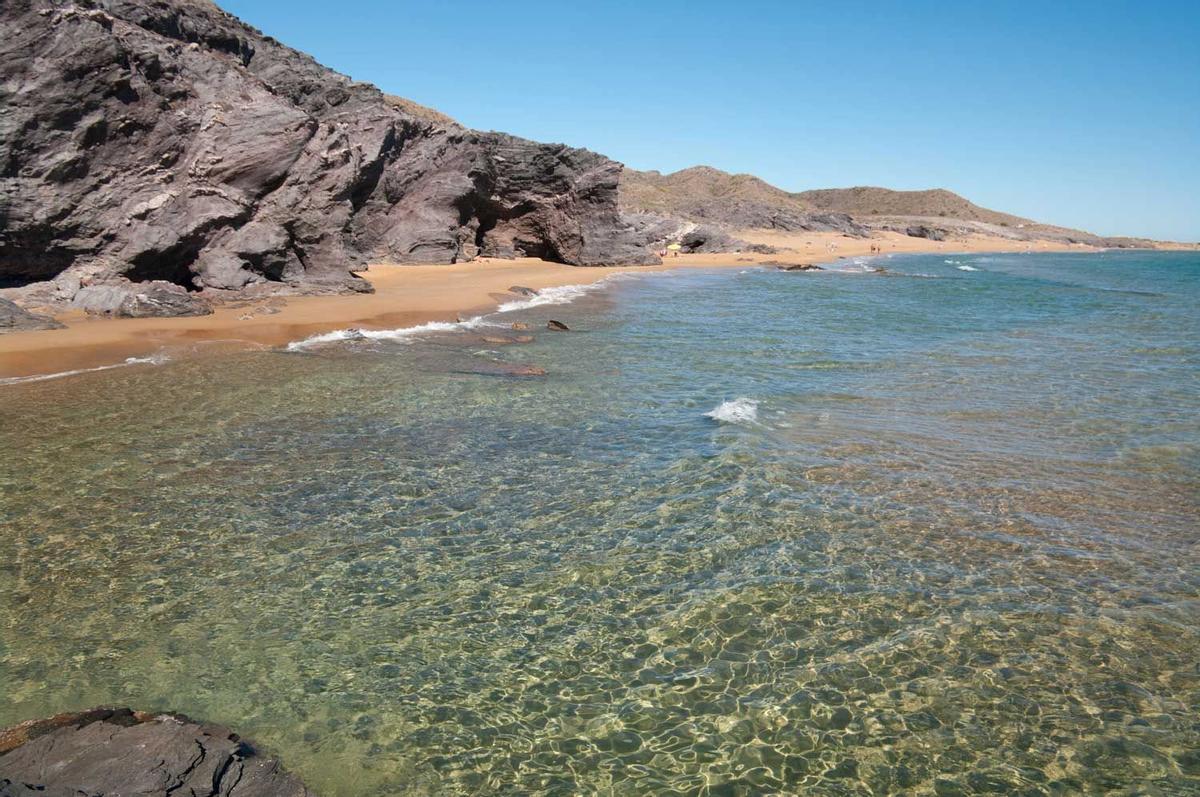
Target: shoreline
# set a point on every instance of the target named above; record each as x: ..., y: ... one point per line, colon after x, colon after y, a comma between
x: 408, y: 296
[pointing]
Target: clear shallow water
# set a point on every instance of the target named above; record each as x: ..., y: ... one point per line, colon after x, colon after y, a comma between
x: 952, y: 550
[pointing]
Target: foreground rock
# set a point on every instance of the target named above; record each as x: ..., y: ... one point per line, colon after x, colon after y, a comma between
x: 125, y: 752
x: 168, y: 141
x: 16, y: 319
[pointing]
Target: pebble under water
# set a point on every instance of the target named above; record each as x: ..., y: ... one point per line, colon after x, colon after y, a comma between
x: 935, y: 531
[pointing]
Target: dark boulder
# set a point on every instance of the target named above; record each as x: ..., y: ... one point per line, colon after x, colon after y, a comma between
x: 925, y: 231
x: 139, y: 300
x: 706, y: 238
x: 557, y: 326
x: 794, y: 266
x: 16, y: 319
x: 120, y: 751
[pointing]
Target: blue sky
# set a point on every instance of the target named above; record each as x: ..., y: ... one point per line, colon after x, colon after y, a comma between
x: 1081, y: 114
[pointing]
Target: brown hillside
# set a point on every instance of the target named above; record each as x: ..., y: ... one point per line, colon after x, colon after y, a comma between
x: 871, y: 201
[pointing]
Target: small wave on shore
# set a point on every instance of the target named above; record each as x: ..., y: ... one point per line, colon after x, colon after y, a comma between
x: 399, y: 334
x: 153, y: 359
x: 965, y: 267
x: 741, y: 410
x: 562, y: 294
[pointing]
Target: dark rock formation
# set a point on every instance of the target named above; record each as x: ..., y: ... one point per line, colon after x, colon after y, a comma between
x: 706, y: 238
x: 125, y: 752
x: 139, y: 300
x: 521, y: 290
x: 925, y: 231
x: 16, y: 319
x: 793, y: 266
x: 557, y: 326
x: 167, y: 140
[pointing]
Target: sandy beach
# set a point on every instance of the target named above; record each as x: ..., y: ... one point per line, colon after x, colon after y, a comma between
x: 406, y: 296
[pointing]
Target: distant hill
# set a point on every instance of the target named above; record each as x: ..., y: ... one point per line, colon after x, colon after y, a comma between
x: 743, y: 201
x: 698, y: 186
x: 735, y: 201
x: 871, y: 201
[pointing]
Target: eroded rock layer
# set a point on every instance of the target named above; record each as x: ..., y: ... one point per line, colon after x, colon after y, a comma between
x: 166, y: 140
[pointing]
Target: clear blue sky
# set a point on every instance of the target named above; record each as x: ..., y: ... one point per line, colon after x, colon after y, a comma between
x: 1085, y: 114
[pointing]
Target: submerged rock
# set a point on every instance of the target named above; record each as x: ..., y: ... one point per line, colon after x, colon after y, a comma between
x: 506, y: 340
x: 557, y: 326
x: 794, y: 266
x: 521, y: 290
x: 117, y: 751
x: 14, y: 318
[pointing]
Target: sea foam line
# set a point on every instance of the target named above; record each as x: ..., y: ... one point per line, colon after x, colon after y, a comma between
x: 562, y: 294
x: 153, y: 359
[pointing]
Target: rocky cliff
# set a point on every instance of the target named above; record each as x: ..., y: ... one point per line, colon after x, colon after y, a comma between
x: 164, y: 140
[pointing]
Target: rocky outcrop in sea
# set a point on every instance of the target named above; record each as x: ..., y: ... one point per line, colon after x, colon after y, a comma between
x: 169, y: 142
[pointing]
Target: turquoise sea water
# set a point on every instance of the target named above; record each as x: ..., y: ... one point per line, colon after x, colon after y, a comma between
x: 943, y: 537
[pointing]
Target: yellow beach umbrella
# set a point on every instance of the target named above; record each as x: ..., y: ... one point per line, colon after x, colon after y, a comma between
x: 675, y: 247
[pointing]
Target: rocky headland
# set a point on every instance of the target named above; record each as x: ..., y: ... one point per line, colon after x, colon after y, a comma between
x: 161, y: 149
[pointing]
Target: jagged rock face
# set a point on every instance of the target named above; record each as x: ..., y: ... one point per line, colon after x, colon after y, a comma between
x: 168, y: 141
x: 119, y: 751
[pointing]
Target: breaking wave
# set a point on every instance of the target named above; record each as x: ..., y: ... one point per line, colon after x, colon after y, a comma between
x: 740, y: 410
x: 398, y: 334
x: 153, y: 359
x: 562, y: 294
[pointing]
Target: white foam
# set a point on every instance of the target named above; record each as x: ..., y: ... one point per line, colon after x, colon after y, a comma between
x: 967, y: 268
x: 546, y: 296
x: 153, y: 359
x: 563, y: 294
x: 740, y: 410
x: 399, y: 334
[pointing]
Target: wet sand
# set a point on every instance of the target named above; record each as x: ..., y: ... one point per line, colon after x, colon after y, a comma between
x: 406, y: 296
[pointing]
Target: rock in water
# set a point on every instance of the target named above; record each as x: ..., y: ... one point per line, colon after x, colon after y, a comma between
x: 120, y: 751
x: 794, y: 266
x: 557, y: 326
x: 521, y: 290
x: 170, y: 141
x: 16, y: 319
